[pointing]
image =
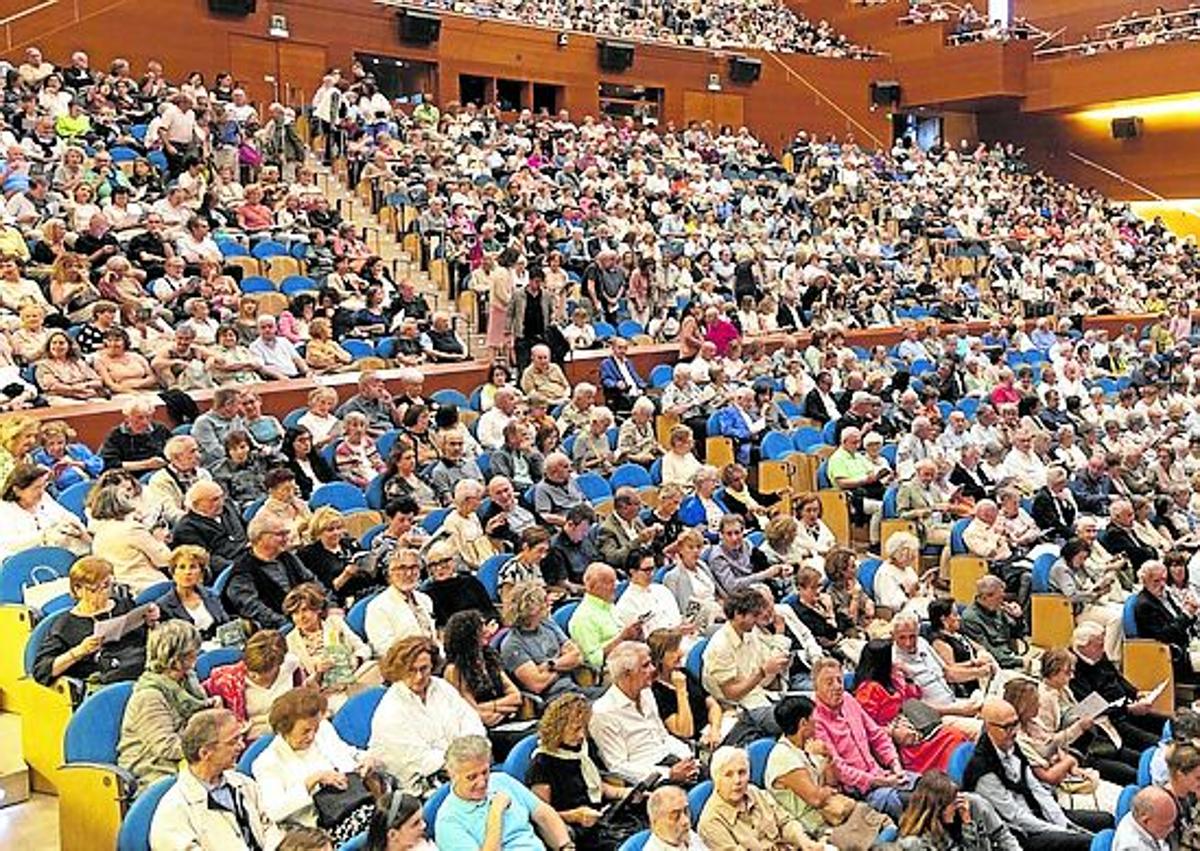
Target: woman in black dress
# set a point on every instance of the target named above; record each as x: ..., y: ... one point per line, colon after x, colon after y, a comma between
x: 687, y: 710
x: 304, y: 461
x: 473, y: 667
x: 333, y: 557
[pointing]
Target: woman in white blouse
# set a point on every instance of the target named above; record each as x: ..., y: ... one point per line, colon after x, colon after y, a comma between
x: 679, y: 465
x: 306, y: 756
x: 897, y: 584
x: 320, y: 420
x: 139, y: 557
x: 813, y: 537
x: 31, y: 518
x: 419, y: 716
x: 400, y: 610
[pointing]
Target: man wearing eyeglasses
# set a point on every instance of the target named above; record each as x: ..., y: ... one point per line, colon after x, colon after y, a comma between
x: 999, y: 772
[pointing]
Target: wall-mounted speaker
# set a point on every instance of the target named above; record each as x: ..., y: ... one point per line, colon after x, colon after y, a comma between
x: 615, y: 55
x: 1127, y: 128
x: 885, y: 93
x: 232, y: 7
x: 744, y: 69
x: 418, y: 27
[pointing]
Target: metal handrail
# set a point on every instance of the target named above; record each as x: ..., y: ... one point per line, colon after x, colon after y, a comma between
x: 1109, y: 45
x: 37, y: 7
x: 1116, y: 175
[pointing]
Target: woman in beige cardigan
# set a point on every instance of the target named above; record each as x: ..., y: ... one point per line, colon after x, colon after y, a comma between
x: 139, y: 557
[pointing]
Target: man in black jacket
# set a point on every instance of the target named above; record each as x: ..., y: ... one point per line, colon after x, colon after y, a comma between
x: 137, y: 444
x: 212, y: 522
x: 1159, y: 619
x: 1119, y: 539
x: 1139, y: 727
x: 1054, y: 505
x: 264, y: 574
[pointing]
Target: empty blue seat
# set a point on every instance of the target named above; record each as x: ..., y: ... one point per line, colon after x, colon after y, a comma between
x: 269, y: 248
x: 32, y: 567
x: 594, y: 487
x: 256, y: 284
x: 341, y: 495
x: 353, y: 720
x: 630, y: 475
x: 135, y: 827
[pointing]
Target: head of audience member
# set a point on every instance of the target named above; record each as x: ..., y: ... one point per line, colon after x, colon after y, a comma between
x: 189, y: 568
x: 1155, y: 811
x: 745, y: 608
x: 268, y: 535
x: 468, y: 761
x: 902, y: 549
x: 989, y: 593
x: 1001, y: 723
x: 730, y: 769
x: 1153, y: 576
x: 397, y: 824
x: 630, y: 668
x: 1183, y: 764
x: 557, y: 468
x: 280, y: 484
x: 540, y: 358
x: 1121, y: 514
x: 211, y: 741
x: 935, y: 804
x: 411, y: 662
x: 183, y: 453
x: 670, y: 818
x: 987, y: 512
x: 828, y: 683
x: 296, y: 715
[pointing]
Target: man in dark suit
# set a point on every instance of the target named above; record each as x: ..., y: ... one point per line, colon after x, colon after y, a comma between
x: 789, y: 316
x: 1159, y: 619
x: 619, y: 377
x: 1054, y: 505
x: 1119, y: 539
x: 211, y: 521
x: 968, y: 475
x: 1139, y: 727
x: 1093, y: 486
x: 263, y: 575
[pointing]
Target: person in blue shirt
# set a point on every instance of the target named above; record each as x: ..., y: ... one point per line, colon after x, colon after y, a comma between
x: 486, y: 810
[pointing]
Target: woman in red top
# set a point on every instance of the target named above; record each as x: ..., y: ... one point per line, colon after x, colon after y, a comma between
x: 882, y: 691
x: 254, y: 216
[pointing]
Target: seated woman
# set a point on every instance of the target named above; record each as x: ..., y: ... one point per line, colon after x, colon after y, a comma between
x: 940, y: 815
x: 679, y: 464
x: 356, y: 459
x: 306, y: 758
x: 305, y: 463
x: 801, y: 775
x: 813, y: 537
x: 329, y: 652
x: 418, y: 717
x: 563, y: 774
x: 398, y: 825
x: 400, y: 479
x: 331, y: 556
x: 687, y: 711
x: 71, y: 648
x: 967, y: 666
x: 189, y: 600
x: 535, y: 651
x: 64, y: 376
x: 781, y: 546
x: 463, y: 528
x: 69, y: 463
x: 703, y: 507
x: 1097, y: 739
x: 138, y: 556
x: 320, y: 420
x: 242, y: 472
x: 400, y: 610
x: 591, y: 452
x: 739, y: 815
x: 164, y: 697
x: 492, y: 805
x: 248, y: 688
x: 231, y: 362
x: 883, y: 692
x: 284, y: 502
x: 1046, y: 750
x: 451, y: 591
x: 417, y: 429
x: 897, y: 585
x: 693, y: 584
x: 122, y: 370
x: 834, y: 629
x: 31, y: 518
x: 473, y: 667
x: 265, y: 430
x: 737, y: 495
x: 29, y: 339
x: 637, y: 442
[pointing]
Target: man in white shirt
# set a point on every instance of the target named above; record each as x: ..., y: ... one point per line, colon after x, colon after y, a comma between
x: 1148, y: 823
x: 626, y: 726
x: 647, y: 601
x: 276, y: 355
x: 670, y: 822
x: 1023, y: 465
x: 490, y: 428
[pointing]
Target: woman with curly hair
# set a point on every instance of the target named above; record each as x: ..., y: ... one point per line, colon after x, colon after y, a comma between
x: 563, y: 774
x: 473, y: 667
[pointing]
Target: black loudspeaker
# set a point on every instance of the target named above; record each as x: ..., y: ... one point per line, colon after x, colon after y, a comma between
x: 885, y: 93
x: 615, y: 55
x: 418, y: 27
x: 1126, y: 128
x: 743, y: 69
x: 232, y: 7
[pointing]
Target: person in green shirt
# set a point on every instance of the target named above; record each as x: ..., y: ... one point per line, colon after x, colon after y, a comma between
x: 850, y: 470
x: 594, y: 627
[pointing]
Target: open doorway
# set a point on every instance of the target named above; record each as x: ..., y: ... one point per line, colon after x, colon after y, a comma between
x: 400, y: 78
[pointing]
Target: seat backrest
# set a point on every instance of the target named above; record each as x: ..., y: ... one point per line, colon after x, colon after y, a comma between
x: 37, y: 636
x: 355, y: 843
x: 563, y: 615
x: 1144, y: 761
x: 630, y: 475
x: 95, y: 727
x: 890, y: 511
x: 356, y: 618
x: 866, y: 575
x: 433, y: 520
x: 246, y: 760
x: 636, y: 842
x: 759, y: 751
x: 957, y: 766
x: 222, y: 580
x: 516, y: 764
x: 777, y: 445
x: 1040, y: 579
x: 656, y: 472
x: 216, y: 658
x: 697, y: 798
x: 135, y: 827
x: 829, y: 433
x: 823, y: 480
x: 594, y: 486
x: 489, y: 573
x: 152, y: 593
x: 958, y: 546
x: 74, y: 497
x: 1103, y: 840
x: 1125, y: 801
x: 353, y: 720
x: 31, y: 566
x: 341, y: 495
x: 1128, y: 621
x: 695, y: 659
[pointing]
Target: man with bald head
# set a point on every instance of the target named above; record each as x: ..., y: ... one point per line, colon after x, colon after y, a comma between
x: 1148, y: 823
x: 999, y: 772
x: 594, y: 627
x: 211, y: 521
x: 557, y: 492
x: 670, y: 822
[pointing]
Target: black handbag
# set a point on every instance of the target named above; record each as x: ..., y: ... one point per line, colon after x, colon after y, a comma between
x: 336, y: 805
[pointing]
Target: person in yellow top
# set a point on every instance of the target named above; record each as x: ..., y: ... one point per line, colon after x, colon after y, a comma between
x: 74, y: 123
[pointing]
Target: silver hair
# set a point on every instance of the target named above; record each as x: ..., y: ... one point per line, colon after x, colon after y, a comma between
x: 723, y: 756
x: 168, y: 643
x: 202, y: 731
x: 261, y: 524
x: 1148, y: 567
x: 108, y: 503
x: 625, y: 658
x: 643, y: 404
x: 657, y: 802
x: 145, y: 404
x: 1085, y: 634
x: 198, y: 491
x: 468, y: 749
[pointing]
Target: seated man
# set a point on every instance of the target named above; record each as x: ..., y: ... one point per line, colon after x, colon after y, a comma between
x: 374, y: 401
x: 739, y: 815
x: 535, y: 651
x: 926, y: 669
x: 1135, y: 721
x: 670, y: 821
x: 276, y: 357
x: 994, y: 624
x: 999, y: 772
x: 544, y: 378
x: 743, y: 424
x: 137, y: 444
x: 212, y: 523
x: 594, y: 627
x: 263, y: 575
x: 1054, y: 506
x: 1119, y: 538
x: 557, y: 491
x: 646, y: 601
x: 619, y: 378
x: 850, y: 470
x: 1149, y: 822
x: 221, y: 419
x: 166, y: 488
x: 572, y: 548
x: 626, y: 726
x: 1160, y: 619
x: 733, y: 563
x: 623, y: 531
x: 985, y: 537
x: 451, y: 468
x: 918, y: 500
x: 211, y: 805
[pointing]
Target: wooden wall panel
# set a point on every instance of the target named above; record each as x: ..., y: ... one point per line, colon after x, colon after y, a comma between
x: 1080, y: 17
x: 1078, y: 81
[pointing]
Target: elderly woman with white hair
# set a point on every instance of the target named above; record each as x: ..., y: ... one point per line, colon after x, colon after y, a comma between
x: 897, y: 584
x: 703, y: 507
x: 356, y: 457
x: 739, y: 815
x: 637, y: 442
x: 463, y: 528
x: 164, y: 697
x: 591, y: 452
x: 679, y: 464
